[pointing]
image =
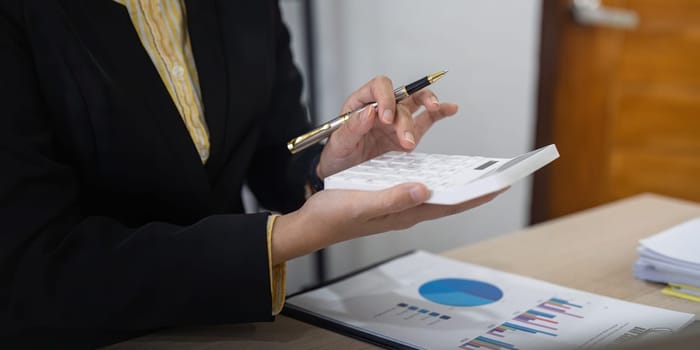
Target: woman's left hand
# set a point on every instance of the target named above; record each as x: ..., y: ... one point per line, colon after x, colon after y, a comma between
x: 391, y: 127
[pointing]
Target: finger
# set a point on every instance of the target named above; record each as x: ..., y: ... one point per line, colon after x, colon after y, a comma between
x: 379, y: 89
x: 432, y: 212
x: 396, y: 199
x: 426, y: 119
x: 411, y: 216
x: 351, y: 132
x: 425, y: 97
x: 404, y: 128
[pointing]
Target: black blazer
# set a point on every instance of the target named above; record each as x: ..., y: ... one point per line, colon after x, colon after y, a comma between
x: 110, y: 222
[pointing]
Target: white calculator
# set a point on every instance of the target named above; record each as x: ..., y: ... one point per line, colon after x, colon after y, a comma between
x: 451, y: 178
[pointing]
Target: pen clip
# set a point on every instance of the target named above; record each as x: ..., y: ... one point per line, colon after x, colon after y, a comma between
x: 303, y: 142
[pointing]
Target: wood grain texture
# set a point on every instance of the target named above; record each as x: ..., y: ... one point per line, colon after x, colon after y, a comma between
x: 626, y: 110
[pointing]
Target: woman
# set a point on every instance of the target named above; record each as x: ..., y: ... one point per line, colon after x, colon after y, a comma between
x: 129, y: 128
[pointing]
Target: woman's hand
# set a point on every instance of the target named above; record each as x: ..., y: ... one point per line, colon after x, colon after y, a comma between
x: 333, y: 216
x: 391, y: 127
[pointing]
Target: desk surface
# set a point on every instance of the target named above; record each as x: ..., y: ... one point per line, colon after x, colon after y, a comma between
x: 592, y: 251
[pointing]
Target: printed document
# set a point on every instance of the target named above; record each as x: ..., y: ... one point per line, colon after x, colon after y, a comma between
x: 425, y: 301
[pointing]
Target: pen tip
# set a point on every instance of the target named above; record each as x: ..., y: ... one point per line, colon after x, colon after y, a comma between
x: 437, y: 75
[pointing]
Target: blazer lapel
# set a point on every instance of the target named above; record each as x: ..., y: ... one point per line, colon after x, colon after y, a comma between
x: 106, y: 30
x: 207, y: 48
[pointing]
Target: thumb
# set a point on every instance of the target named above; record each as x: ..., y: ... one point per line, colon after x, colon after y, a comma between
x: 396, y: 199
x: 352, y: 131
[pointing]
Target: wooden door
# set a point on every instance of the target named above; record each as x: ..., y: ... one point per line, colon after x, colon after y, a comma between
x: 622, y: 106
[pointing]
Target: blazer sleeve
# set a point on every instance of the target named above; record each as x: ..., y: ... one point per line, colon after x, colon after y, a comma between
x: 61, y: 269
x: 276, y: 177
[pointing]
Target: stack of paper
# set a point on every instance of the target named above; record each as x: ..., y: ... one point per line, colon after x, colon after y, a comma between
x: 673, y: 256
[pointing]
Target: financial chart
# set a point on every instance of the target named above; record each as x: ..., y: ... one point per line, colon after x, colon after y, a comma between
x: 426, y: 301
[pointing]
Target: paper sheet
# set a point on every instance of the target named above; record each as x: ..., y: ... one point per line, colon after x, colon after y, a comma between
x: 426, y: 301
x: 680, y: 243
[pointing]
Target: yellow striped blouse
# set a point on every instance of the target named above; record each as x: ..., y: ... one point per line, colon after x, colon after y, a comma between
x: 163, y: 33
x: 162, y: 29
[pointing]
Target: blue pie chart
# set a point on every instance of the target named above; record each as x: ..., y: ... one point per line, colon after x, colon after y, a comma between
x: 460, y: 292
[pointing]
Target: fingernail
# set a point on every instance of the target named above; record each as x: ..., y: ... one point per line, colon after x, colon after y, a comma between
x: 409, y: 137
x: 417, y: 194
x: 434, y: 100
x: 388, y: 116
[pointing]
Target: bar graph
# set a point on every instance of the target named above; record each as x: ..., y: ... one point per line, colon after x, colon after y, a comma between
x: 538, y: 319
x: 544, y: 320
x: 487, y: 343
x: 560, y: 306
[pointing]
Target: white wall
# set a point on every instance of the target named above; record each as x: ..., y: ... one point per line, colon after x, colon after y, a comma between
x: 490, y: 48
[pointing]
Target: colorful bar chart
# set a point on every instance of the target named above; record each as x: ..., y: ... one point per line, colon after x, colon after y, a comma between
x: 538, y: 319
x: 501, y: 330
x: 543, y: 320
x: 487, y: 343
x: 560, y: 306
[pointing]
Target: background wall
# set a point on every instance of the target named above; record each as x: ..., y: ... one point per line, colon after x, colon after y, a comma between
x: 490, y: 48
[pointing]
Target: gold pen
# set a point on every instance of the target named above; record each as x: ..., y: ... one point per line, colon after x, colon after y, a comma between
x: 302, y: 142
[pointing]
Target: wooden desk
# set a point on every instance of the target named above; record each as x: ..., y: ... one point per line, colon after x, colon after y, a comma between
x: 592, y: 251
